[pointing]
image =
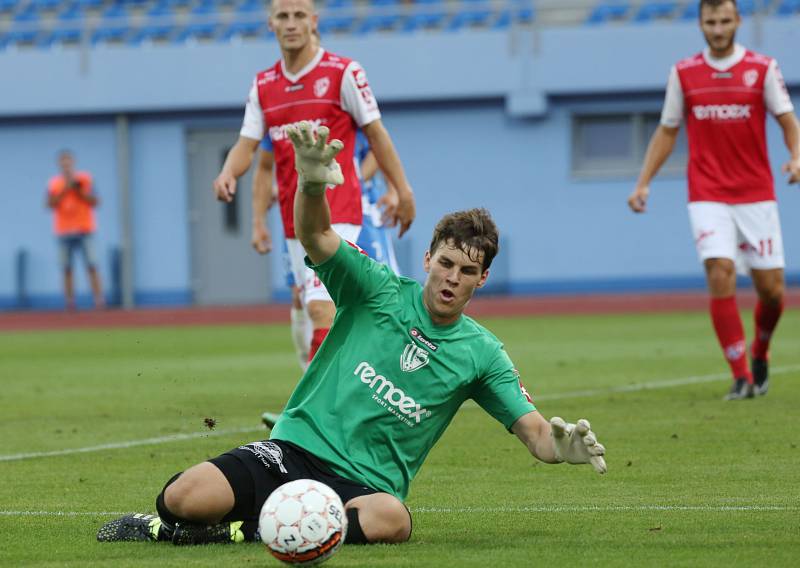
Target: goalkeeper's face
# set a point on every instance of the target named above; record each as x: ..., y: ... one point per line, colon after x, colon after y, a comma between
x: 294, y: 23
x: 453, y: 276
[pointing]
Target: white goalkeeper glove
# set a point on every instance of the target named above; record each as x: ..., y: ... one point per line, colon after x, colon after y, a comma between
x: 314, y: 159
x: 576, y: 443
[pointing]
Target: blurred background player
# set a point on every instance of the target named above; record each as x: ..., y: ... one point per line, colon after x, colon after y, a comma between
x: 71, y: 196
x: 724, y: 94
x: 309, y: 83
x: 377, y: 199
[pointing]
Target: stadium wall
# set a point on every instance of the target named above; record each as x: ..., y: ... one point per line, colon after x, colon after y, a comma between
x: 480, y: 118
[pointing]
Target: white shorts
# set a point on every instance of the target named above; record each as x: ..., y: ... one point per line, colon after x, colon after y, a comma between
x: 311, y: 289
x: 749, y: 234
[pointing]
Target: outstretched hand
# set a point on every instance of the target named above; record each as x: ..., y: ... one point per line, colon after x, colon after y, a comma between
x: 577, y: 444
x: 314, y: 159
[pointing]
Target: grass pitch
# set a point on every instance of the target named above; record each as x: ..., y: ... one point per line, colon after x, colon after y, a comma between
x: 693, y: 481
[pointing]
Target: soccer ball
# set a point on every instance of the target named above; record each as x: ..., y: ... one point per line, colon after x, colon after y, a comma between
x: 303, y: 522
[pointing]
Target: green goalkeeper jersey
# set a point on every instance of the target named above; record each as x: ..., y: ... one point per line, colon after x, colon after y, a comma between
x: 387, y: 381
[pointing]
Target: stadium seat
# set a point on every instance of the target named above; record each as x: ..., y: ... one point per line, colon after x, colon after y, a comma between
x: 71, y: 13
x: 788, y: 7
x: 338, y: 4
x: 160, y: 24
x: 426, y: 14
x: 243, y: 29
x: 524, y: 14
x: 655, y: 10
x: 335, y: 24
x: 114, y: 26
x: 68, y: 35
x: 205, y: 30
x: 470, y: 15
x: 26, y: 15
x: 603, y: 12
x: 378, y: 22
x: 8, y: 5
x: 14, y: 37
x: 692, y: 10
x: 250, y: 6
x: 89, y: 3
x: 45, y: 5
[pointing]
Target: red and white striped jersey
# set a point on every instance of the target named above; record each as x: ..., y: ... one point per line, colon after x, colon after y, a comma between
x: 330, y: 91
x: 724, y: 103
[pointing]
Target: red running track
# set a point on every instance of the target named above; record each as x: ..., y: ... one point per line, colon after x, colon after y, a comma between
x: 513, y: 306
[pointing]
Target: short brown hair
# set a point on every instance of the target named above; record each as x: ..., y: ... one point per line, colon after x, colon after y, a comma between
x: 716, y: 4
x: 472, y: 231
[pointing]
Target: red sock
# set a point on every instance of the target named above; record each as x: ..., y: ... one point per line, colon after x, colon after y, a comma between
x: 766, y: 316
x: 730, y: 333
x: 316, y: 341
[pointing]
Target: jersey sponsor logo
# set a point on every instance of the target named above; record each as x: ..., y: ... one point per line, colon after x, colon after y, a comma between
x: 721, y: 112
x: 321, y: 87
x: 293, y: 88
x: 268, y: 77
x: 394, y: 399
x: 360, y: 77
x: 750, y: 77
x: 721, y: 75
x: 337, y: 64
x: 418, y: 335
x: 278, y: 133
x: 413, y: 358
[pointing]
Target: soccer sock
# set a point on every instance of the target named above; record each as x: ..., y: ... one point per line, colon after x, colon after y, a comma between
x: 730, y: 333
x: 168, y: 520
x: 300, y: 336
x: 316, y: 341
x: 766, y: 316
x: 355, y: 534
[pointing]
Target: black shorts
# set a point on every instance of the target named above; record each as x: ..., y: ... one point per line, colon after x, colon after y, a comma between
x: 255, y: 470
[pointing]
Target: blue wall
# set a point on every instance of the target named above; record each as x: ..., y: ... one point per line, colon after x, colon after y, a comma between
x: 479, y: 118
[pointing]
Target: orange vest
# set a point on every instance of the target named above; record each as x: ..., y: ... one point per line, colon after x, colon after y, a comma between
x: 72, y: 214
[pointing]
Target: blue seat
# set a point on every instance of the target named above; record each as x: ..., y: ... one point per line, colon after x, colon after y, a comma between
x: 692, y: 10
x: 426, y: 14
x: 28, y: 14
x: 205, y: 7
x: 788, y: 7
x: 8, y: 5
x: 603, y: 13
x: 13, y: 36
x: 114, y: 26
x: 250, y: 28
x: 523, y: 14
x: 43, y: 5
x: 71, y: 13
x: 71, y: 34
x: 89, y: 3
x: 337, y: 4
x: 377, y: 22
x: 204, y: 30
x: 468, y: 19
x: 159, y: 26
x: 250, y: 6
x: 331, y: 24
x: 654, y: 10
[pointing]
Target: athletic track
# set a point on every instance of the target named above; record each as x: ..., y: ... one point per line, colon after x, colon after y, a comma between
x: 516, y: 306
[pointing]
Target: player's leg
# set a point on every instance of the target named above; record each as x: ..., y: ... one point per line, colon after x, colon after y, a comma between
x: 212, y: 502
x: 86, y: 245
x: 376, y: 518
x: 715, y: 236
x: 65, y: 248
x: 759, y: 224
x: 301, y: 328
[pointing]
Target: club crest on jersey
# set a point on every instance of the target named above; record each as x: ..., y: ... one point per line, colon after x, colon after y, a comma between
x: 418, y: 335
x: 413, y: 358
x: 321, y: 87
x: 750, y: 77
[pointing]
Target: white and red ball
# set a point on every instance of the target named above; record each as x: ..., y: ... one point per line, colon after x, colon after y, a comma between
x: 303, y: 522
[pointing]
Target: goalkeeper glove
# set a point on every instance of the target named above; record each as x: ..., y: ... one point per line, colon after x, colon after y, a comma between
x: 576, y: 443
x: 314, y: 159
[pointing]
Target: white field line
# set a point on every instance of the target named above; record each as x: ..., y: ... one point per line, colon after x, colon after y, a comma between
x: 130, y: 444
x: 488, y: 510
x: 635, y: 387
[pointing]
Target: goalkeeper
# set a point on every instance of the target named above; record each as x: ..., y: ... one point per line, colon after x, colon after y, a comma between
x: 397, y: 364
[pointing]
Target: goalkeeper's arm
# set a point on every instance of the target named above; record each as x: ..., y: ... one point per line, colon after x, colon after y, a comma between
x: 316, y: 169
x: 557, y: 441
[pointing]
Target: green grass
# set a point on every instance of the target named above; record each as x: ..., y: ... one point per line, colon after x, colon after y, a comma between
x: 692, y: 481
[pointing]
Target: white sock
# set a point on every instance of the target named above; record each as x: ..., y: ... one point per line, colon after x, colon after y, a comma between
x: 301, y: 336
